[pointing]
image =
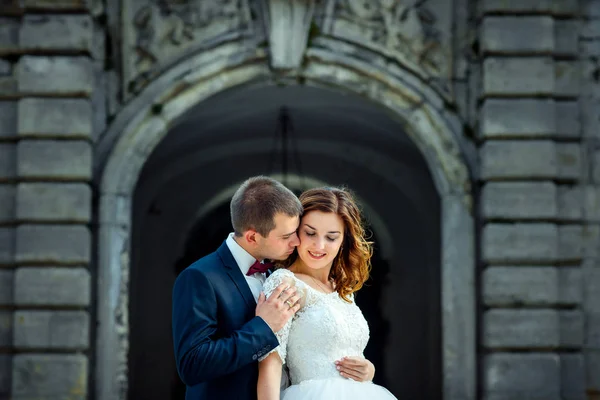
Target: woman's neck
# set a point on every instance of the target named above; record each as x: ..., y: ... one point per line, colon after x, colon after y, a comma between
x: 321, y: 274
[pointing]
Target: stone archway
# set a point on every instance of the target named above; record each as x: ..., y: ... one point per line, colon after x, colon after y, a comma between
x: 140, y: 126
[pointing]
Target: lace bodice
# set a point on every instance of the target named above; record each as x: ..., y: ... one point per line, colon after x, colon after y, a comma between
x: 325, y: 329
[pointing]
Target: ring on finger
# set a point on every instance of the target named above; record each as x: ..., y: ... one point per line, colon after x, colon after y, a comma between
x: 289, y: 303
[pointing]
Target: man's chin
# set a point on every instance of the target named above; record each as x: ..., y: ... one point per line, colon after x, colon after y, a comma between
x: 283, y: 257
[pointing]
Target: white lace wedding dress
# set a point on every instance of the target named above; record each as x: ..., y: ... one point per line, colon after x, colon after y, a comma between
x: 326, y: 329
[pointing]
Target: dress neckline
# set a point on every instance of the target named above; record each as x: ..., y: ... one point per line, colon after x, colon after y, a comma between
x: 312, y: 288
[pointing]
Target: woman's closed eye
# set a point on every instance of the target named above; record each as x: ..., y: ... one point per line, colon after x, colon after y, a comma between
x: 311, y: 234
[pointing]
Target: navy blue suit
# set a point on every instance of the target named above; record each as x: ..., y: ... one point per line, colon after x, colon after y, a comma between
x: 216, y: 335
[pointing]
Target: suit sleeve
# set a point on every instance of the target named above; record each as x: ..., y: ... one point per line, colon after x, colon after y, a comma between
x: 200, y: 357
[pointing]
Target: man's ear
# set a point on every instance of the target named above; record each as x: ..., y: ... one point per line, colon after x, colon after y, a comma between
x: 251, y: 237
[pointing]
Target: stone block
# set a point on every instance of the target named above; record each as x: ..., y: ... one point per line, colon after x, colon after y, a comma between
x: 521, y: 243
x: 566, y: 37
x: 7, y: 245
x: 591, y: 8
x: 7, y: 203
x: 54, y: 202
x: 65, y: 244
x: 54, y: 5
x: 519, y: 159
x: 569, y: 286
x: 592, y: 203
x: 8, y: 119
x: 52, y: 287
x: 51, y: 330
x: 8, y: 87
x: 591, y: 289
x: 592, y: 366
x: 566, y: 8
x: 567, y: 74
x: 570, y: 202
x: 5, y: 67
x: 71, y: 76
x: 592, y: 330
x: 43, y: 117
x: 519, y: 76
x: 571, y: 328
x: 9, y: 35
x: 563, y: 7
x: 55, y: 32
x: 589, y: 47
x: 595, y: 166
x: 6, y: 331
x: 571, y: 242
x: 591, y: 241
x: 590, y: 29
x: 6, y: 287
x: 7, y: 161
x: 572, y: 377
x: 99, y: 101
x: 590, y: 116
x: 504, y: 34
x: 569, y: 161
x: 5, y: 373
x: 519, y: 200
x: 62, y: 376
x: 521, y: 329
x: 520, y: 286
x: 522, y: 376
x: 515, y: 118
x: 568, y: 119
x: 39, y: 159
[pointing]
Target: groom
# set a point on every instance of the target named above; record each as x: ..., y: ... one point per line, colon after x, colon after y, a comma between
x: 222, y: 322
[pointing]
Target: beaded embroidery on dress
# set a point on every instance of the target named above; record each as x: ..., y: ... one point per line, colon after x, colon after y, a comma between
x: 325, y: 329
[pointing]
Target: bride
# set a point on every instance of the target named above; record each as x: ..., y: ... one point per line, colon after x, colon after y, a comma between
x: 330, y: 264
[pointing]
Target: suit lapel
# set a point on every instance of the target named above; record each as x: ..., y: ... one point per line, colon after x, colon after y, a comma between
x: 234, y: 272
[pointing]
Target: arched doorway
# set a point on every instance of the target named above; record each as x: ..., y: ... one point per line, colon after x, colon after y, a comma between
x: 126, y: 146
x: 340, y: 139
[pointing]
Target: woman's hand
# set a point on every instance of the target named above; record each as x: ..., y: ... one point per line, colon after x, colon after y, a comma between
x: 356, y: 368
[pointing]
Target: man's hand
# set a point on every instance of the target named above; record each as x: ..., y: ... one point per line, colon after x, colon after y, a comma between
x: 279, y: 307
x: 356, y: 368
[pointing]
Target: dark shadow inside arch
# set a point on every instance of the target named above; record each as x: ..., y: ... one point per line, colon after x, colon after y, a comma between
x: 341, y: 139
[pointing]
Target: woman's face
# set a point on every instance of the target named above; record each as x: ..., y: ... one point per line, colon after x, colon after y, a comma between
x: 321, y: 236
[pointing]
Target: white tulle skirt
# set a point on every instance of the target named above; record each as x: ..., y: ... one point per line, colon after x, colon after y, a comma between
x: 336, y: 388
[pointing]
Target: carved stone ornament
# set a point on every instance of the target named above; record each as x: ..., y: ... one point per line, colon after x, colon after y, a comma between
x: 288, y: 26
x: 158, y: 32
x: 416, y: 32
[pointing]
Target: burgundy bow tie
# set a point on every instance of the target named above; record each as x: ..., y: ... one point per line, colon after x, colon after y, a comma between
x: 259, y: 267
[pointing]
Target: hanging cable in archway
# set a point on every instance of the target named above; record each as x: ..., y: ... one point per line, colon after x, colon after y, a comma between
x: 284, y: 143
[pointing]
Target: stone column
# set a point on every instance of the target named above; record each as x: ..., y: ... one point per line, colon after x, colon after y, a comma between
x: 589, y: 43
x: 8, y: 151
x: 54, y: 48
x: 531, y: 174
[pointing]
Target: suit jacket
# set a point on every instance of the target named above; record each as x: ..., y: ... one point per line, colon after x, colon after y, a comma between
x: 216, y: 335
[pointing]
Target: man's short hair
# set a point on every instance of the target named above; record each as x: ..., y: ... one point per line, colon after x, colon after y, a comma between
x: 257, y: 201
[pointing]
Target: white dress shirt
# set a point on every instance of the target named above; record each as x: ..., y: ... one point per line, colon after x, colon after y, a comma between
x: 244, y: 260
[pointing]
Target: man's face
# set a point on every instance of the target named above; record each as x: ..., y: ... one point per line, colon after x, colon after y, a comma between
x: 282, y: 240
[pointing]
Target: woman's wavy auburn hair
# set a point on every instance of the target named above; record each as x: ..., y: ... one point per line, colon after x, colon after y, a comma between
x: 351, y: 266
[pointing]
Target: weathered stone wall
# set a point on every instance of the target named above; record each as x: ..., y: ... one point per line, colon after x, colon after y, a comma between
x: 52, y: 57
x: 539, y: 201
